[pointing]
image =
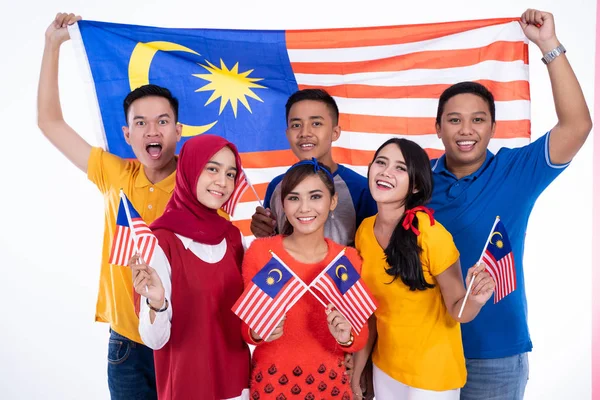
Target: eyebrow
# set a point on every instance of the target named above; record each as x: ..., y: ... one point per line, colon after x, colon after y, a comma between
x: 311, y: 117
x: 220, y: 165
x: 387, y: 159
x: 311, y: 192
x: 160, y: 116
x: 476, y: 112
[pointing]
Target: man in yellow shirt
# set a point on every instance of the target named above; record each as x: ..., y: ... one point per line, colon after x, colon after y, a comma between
x: 153, y: 132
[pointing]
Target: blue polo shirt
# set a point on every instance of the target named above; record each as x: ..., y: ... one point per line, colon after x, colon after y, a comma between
x: 506, y: 185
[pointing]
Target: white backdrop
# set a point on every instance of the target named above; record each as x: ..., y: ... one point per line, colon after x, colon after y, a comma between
x: 52, y: 221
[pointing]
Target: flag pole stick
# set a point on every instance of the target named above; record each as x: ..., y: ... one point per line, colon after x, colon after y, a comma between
x: 135, y: 238
x: 306, y: 287
x: 462, y: 307
x: 253, y: 190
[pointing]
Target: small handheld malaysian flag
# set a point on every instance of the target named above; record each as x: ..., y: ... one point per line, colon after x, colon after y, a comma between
x: 499, y: 262
x: 132, y: 235
x: 341, y: 285
x: 271, y: 293
x: 240, y: 189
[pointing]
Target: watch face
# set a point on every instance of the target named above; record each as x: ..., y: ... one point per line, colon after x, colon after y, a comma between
x: 552, y: 54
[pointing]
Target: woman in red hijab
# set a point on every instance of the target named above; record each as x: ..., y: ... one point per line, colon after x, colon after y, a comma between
x: 187, y: 294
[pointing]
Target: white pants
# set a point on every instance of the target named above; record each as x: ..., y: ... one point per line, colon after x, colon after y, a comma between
x: 387, y: 388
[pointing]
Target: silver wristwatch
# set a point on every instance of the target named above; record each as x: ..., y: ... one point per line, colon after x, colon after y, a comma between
x: 552, y: 54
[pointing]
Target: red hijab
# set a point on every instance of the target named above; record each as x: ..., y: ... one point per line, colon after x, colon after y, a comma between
x: 184, y: 214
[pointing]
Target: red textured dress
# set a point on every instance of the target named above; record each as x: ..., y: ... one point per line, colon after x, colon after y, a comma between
x: 306, y: 362
x: 205, y: 357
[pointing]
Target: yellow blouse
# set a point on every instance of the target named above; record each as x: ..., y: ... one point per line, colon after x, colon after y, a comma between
x: 419, y: 343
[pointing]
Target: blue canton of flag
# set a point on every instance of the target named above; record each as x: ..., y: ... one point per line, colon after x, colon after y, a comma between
x: 232, y: 83
x: 272, y: 278
x: 343, y: 275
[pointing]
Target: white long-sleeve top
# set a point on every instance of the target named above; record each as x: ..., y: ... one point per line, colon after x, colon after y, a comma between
x: 156, y: 335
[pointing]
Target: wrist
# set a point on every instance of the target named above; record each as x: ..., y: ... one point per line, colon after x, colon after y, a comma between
x: 52, y: 44
x: 346, y: 343
x: 254, y: 336
x: 157, y: 304
x: 548, y: 45
x: 473, y: 305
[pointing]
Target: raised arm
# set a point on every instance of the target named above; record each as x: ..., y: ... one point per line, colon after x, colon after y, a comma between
x: 574, y: 121
x: 50, y: 117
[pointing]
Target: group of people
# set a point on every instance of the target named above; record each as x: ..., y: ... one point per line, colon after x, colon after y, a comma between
x: 412, y: 228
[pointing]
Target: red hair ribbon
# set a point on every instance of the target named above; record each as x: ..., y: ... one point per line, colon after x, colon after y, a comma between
x: 409, y: 216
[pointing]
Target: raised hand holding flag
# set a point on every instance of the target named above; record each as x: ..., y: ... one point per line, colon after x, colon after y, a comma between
x: 342, y: 286
x: 498, y: 258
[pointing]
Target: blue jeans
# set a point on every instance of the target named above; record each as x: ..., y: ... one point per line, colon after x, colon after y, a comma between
x: 130, y: 369
x: 496, y: 378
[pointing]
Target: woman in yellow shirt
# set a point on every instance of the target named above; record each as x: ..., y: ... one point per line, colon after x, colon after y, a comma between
x: 412, y: 267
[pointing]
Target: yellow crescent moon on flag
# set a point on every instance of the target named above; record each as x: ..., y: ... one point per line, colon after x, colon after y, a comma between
x: 338, y: 269
x: 139, y: 70
x: 279, y: 272
x: 494, y: 234
x: 499, y: 243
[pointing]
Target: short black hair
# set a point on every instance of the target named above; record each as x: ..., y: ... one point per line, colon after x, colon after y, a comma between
x: 315, y: 95
x: 470, y: 88
x: 151, y: 90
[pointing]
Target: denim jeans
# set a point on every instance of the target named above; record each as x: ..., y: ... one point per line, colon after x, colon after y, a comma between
x: 496, y: 378
x: 130, y: 369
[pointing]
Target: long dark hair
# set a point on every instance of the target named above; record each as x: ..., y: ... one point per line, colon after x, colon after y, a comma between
x: 403, y: 252
x: 296, y: 174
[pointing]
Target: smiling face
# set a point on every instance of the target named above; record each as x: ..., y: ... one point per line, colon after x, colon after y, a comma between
x: 465, y: 129
x: 388, y: 176
x: 308, y: 204
x: 152, y: 131
x: 311, y: 130
x: 217, y: 180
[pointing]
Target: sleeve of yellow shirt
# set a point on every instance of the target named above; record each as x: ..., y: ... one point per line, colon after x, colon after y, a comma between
x: 105, y: 168
x: 439, y: 251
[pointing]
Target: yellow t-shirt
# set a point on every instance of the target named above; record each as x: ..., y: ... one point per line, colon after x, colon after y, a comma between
x: 111, y: 173
x: 418, y: 343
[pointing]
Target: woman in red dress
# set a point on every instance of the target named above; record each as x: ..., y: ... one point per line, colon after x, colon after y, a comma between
x: 188, y: 292
x: 303, y: 357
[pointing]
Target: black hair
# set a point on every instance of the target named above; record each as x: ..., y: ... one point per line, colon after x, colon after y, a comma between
x: 403, y: 252
x: 316, y: 95
x: 297, y: 174
x: 151, y: 90
x: 468, y: 88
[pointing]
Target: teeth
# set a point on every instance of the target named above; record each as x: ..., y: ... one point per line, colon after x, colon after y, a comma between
x: 466, y: 143
x: 307, y: 145
x: 306, y: 219
x: 386, y: 184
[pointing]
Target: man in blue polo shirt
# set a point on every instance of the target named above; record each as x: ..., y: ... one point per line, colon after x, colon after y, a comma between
x: 472, y: 186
